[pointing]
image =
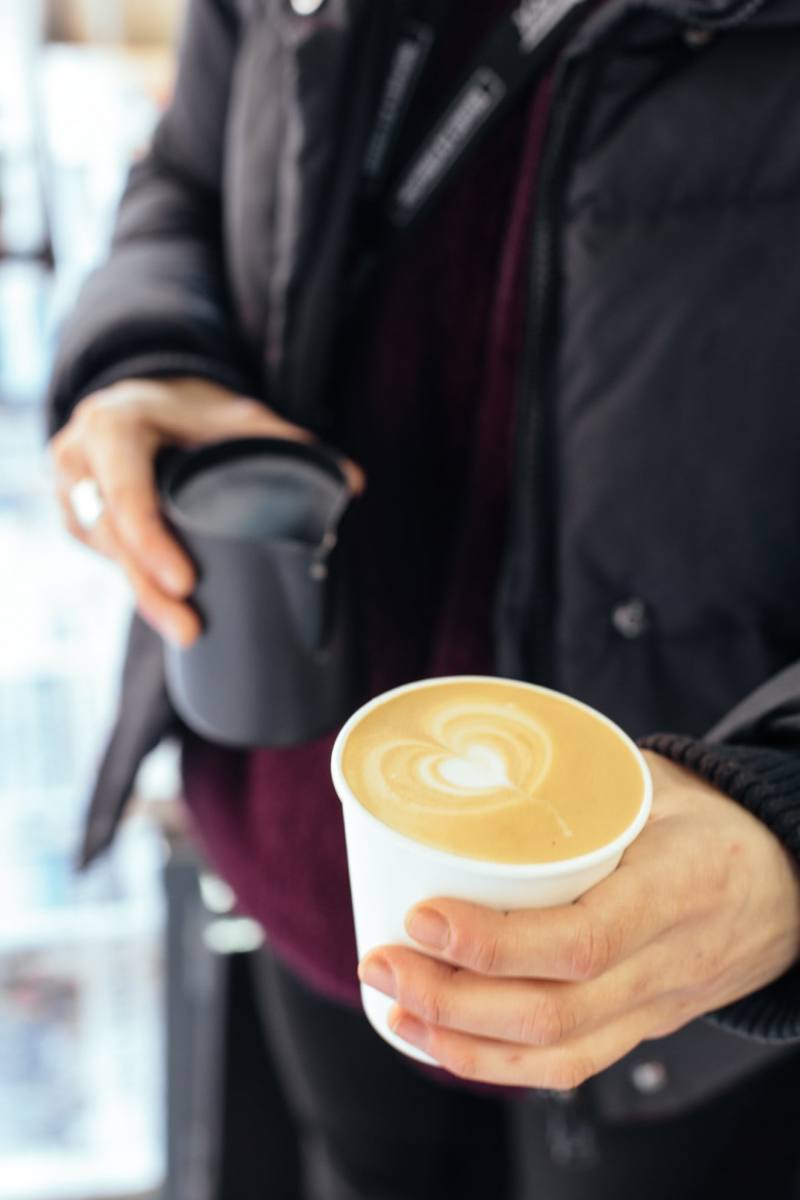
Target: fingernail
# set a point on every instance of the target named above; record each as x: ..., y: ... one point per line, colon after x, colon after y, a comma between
x: 377, y: 973
x: 410, y: 1030
x: 428, y: 926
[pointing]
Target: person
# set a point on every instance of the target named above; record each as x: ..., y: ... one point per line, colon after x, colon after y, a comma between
x: 569, y: 384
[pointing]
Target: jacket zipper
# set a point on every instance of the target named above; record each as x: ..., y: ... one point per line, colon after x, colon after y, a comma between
x: 528, y: 590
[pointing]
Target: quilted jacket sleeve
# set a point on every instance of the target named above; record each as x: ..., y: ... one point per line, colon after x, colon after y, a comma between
x: 159, y: 306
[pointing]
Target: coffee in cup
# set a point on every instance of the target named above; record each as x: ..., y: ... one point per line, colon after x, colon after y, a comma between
x: 483, y: 789
x: 494, y: 770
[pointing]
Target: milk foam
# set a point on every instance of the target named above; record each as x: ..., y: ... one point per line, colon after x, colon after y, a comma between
x: 475, y: 769
x: 493, y: 770
x: 470, y: 758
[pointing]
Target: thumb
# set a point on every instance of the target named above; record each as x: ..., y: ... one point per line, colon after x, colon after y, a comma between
x: 243, y: 417
x: 250, y: 418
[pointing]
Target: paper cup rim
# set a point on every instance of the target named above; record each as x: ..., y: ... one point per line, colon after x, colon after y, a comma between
x: 564, y: 866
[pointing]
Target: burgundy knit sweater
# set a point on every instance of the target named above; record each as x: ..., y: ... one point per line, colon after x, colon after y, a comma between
x: 427, y: 402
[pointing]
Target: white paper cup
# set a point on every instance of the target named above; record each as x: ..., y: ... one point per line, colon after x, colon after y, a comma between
x: 390, y: 873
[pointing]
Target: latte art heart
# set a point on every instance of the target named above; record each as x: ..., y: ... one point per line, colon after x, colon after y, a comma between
x: 493, y: 769
x: 471, y: 761
x: 476, y: 770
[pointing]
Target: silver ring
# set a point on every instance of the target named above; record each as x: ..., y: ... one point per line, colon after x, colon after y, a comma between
x: 86, y: 503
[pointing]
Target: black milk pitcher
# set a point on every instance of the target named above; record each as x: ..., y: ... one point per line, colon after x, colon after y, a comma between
x: 275, y: 662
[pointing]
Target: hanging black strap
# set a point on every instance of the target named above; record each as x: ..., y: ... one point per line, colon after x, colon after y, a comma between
x: 413, y: 46
x: 515, y: 51
x: 397, y: 197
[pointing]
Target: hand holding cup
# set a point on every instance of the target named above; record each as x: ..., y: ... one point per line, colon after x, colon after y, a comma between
x: 703, y: 909
x: 460, y: 787
x: 111, y: 442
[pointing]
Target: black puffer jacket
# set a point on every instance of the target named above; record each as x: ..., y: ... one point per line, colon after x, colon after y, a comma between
x: 652, y: 567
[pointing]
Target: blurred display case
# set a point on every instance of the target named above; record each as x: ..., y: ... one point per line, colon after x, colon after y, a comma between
x: 81, y: 957
x: 134, y: 22
x: 82, y: 979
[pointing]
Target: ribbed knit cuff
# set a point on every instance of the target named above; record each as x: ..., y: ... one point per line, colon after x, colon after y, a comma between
x: 767, y: 783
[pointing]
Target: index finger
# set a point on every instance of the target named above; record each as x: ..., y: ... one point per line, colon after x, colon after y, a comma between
x: 578, y: 941
x: 125, y: 473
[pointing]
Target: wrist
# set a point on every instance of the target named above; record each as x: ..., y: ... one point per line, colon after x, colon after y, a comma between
x: 765, y: 783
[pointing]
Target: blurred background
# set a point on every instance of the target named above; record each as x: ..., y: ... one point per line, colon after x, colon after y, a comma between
x: 113, y: 1049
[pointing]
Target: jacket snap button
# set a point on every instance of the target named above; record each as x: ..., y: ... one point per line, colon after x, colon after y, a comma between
x: 698, y: 38
x: 630, y: 618
x: 649, y: 1077
x: 304, y: 8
